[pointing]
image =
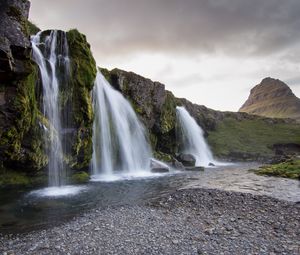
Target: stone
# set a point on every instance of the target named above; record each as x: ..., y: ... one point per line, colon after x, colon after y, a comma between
x: 177, y: 165
x: 187, y: 160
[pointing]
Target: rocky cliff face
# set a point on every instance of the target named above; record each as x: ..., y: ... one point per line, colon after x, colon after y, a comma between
x: 236, y: 136
x: 21, y: 120
x: 20, y: 134
x: 272, y: 98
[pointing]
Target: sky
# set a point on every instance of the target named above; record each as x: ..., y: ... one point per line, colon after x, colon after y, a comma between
x: 211, y: 52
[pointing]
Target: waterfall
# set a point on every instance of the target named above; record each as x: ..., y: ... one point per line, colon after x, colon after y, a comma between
x: 50, y: 52
x: 119, y: 140
x: 192, y: 139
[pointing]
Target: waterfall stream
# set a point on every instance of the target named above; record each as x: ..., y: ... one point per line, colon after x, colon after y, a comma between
x: 50, y: 52
x: 119, y: 141
x: 192, y: 139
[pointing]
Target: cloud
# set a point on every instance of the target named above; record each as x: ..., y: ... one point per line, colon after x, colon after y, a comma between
x: 114, y: 27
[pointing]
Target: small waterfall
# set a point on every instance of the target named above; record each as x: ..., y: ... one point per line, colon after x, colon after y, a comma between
x: 50, y: 52
x: 119, y: 140
x: 192, y: 139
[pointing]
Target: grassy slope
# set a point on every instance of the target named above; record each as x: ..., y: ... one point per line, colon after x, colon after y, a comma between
x: 289, y: 169
x: 251, y: 136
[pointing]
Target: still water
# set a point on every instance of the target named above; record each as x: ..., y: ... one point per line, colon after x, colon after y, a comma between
x: 25, y: 210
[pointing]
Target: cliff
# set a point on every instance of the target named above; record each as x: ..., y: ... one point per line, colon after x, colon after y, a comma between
x: 23, y: 145
x: 272, y: 98
x: 22, y: 141
x: 232, y: 136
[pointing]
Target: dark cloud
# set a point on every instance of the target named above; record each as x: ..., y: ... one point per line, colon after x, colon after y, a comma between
x: 256, y: 27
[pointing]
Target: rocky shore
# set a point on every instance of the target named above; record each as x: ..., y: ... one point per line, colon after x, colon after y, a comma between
x: 194, y: 221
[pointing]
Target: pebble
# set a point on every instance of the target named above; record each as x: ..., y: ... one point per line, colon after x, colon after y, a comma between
x: 195, y: 221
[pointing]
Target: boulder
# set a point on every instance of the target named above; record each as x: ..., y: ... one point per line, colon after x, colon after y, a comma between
x: 187, y: 159
x: 177, y: 165
x: 211, y: 164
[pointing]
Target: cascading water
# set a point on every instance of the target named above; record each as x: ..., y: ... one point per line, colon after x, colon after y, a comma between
x: 119, y: 140
x: 192, y: 139
x: 50, y: 52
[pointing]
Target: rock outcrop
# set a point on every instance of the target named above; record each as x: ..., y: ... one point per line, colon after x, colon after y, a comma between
x: 20, y: 132
x: 22, y: 145
x: 235, y: 136
x: 232, y: 136
x: 272, y: 98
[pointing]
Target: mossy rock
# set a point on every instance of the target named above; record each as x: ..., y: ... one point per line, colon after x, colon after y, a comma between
x: 168, y: 114
x: 77, y: 99
x: 163, y: 156
x: 21, y: 142
x: 80, y: 177
x: 32, y: 28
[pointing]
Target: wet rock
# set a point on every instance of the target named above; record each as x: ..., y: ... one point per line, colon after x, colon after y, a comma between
x: 211, y: 164
x: 177, y: 165
x: 187, y: 160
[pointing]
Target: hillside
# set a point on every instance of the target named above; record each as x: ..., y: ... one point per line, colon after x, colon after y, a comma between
x: 272, y: 98
x: 231, y: 135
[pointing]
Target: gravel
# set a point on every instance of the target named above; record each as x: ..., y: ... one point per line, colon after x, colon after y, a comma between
x: 193, y: 221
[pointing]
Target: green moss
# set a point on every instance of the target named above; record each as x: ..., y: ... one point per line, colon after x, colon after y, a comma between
x: 289, y: 169
x: 32, y: 28
x: 82, y: 61
x: 168, y: 113
x: 163, y: 156
x: 253, y: 137
x: 80, y: 177
x: 25, y: 108
x: 13, y: 178
x: 82, y: 76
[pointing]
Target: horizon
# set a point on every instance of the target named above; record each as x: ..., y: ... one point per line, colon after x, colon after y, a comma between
x: 204, y: 51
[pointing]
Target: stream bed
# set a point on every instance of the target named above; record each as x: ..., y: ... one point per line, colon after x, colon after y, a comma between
x: 28, y: 210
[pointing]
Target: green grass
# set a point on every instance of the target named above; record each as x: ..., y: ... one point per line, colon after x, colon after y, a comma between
x: 289, y: 169
x: 253, y: 137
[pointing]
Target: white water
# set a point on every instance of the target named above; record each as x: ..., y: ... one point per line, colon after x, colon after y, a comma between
x: 119, y: 142
x: 51, y: 53
x: 61, y: 191
x: 192, y: 138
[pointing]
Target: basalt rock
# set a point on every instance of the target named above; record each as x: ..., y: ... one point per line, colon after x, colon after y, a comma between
x: 187, y: 160
x: 231, y: 136
x: 20, y: 129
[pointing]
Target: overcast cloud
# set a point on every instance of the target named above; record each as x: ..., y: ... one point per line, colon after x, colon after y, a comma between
x: 196, y: 47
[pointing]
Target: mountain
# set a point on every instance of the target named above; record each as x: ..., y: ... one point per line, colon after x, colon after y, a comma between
x: 272, y: 98
x: 24, y: 142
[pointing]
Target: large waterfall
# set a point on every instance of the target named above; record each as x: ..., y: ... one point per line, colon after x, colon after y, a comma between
x: 119, y: 141
x: 192, y: 139
x: 50, y: 52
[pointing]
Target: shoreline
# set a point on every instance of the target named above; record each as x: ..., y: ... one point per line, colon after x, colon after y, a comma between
x: 189, y: 221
